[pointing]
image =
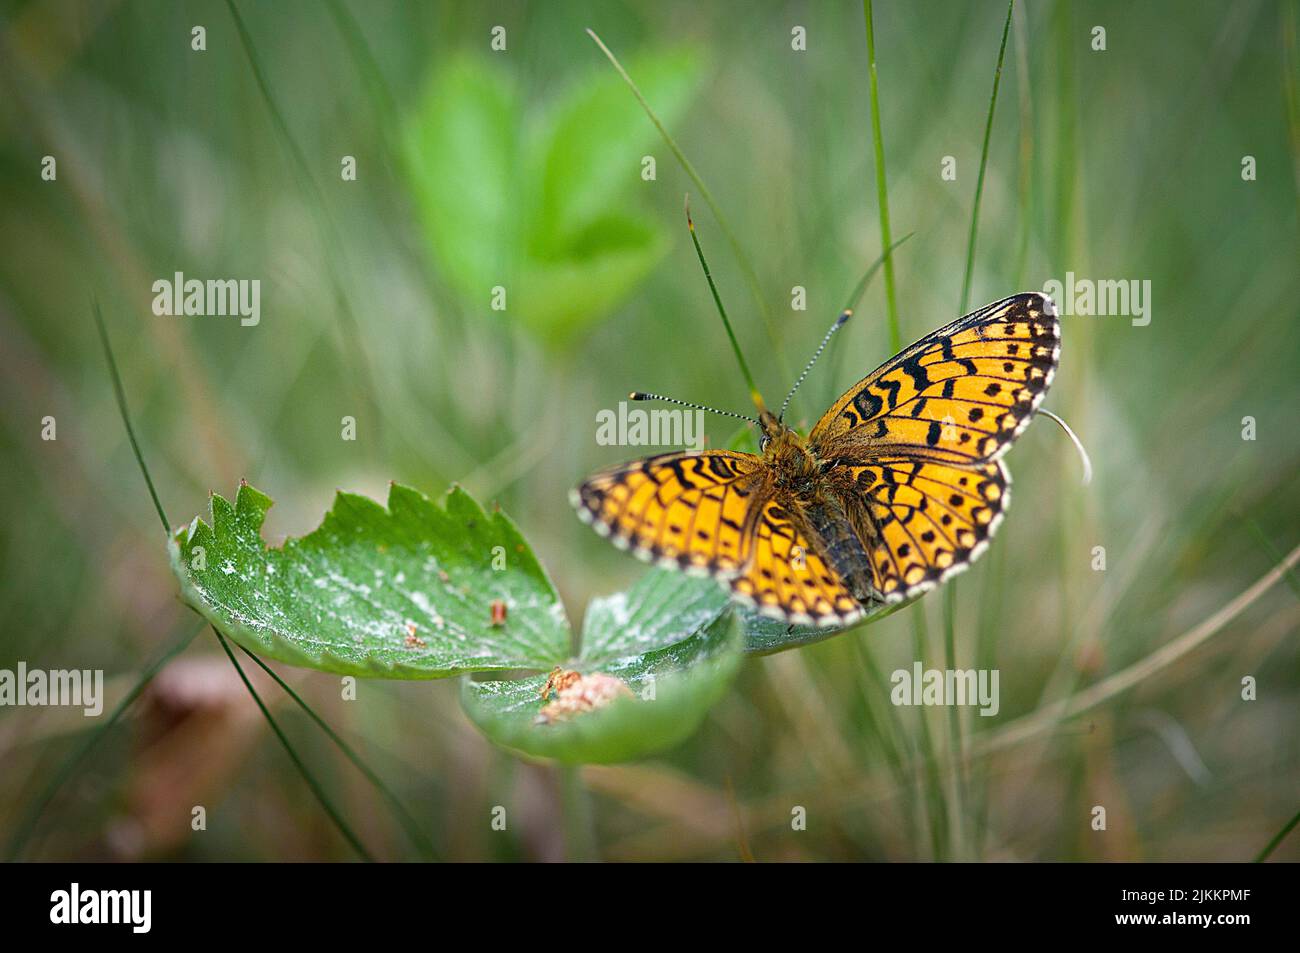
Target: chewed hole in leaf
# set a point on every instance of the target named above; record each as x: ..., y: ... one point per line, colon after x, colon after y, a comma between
x: 618, y: 710
x: 577, y: 694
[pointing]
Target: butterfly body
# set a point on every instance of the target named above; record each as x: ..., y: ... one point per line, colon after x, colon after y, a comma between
x: 898, y: 486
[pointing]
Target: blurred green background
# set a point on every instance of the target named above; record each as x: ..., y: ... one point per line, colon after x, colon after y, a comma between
x: 523, y: 168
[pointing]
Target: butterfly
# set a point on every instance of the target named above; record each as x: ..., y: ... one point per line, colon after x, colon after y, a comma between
x: 897, y: 487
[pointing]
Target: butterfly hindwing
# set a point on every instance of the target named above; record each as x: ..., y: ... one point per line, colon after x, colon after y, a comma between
x: 787, y: 579
x: 928, y: 521
x: 959, y: 395
x: 692, y: 511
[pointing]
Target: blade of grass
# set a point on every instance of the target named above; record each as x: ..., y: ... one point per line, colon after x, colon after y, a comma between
x: 1273, y: 551
x: 751, y: 276
x: 929, y: 766
x: 307, y: 776
x: 933, y: 788
x: 1290, y: 67
x: 837, y: 354
x: 860, y: 288
x: 1047, y: 717
x: 888, y: 732
x: 579, y: 823
x: 1277, y: 839
x: 882, y: 191
x: 984, y: 158
x: 380, y: 93
x: 1025, y: 179
x: 754, y: 395
x: 364, y: 389
x: 27, y: 826
x: 955, y: 747
x: 403, y: 816
x: 120, y: 395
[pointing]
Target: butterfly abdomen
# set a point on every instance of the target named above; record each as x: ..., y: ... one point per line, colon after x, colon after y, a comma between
x: 842, y: 549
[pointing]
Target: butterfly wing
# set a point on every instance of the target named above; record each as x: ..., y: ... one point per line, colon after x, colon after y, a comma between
x: 690, y: 511
x: 786, y: 578
x: 926, y: 521
x: 715, y: 513
x: 960, y: 395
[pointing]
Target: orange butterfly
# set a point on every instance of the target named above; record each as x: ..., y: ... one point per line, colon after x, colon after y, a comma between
x: 899, y: 485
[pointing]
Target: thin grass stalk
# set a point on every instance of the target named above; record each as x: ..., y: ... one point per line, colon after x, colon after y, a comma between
x: 1277, y: 839
x: 929, y: 768
x: 751, y: 276
x: 579, y: 818
x: 404, y: 817
x: 984, y: 159
x: 298, y: 763
x: 882, y: 189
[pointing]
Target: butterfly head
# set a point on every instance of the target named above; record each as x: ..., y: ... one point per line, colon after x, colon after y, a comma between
x: 779, y: 439
x: 773, y: 429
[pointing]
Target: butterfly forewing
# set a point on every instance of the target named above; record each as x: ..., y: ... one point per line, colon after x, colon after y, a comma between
x: 959, y: 395
x: 689, y: 510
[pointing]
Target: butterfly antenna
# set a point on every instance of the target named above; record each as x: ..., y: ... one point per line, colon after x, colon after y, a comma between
x: 839, y: 323
x: 844, y: 316
x: 726, y: 322
x: 641, y: 395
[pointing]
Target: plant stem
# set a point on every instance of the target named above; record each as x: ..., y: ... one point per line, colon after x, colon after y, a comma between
x: 882, y: 191
x: 751, y: 276
x: 364, y: 389
x: 1277, y: 839
x: 754, y: 395
x: 1047, y: 717
x: 307, y: 776
x: 984, y: 158
x: 148, y: 479
x: 126, y: 417
x: 929, y: 763
x: 579, y: 822
x: 955, y: 750
x: 403, y: 816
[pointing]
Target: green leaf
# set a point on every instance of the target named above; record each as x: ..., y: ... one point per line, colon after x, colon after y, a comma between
x: 764, y: 636
x: 559, y: 232
x: 406, y: 591
x: 344, y: 598
x: 597, y: 137
x: 662, y: 607
x: 688, y: 677
x: 560, y: 296
x: 462, y: 147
